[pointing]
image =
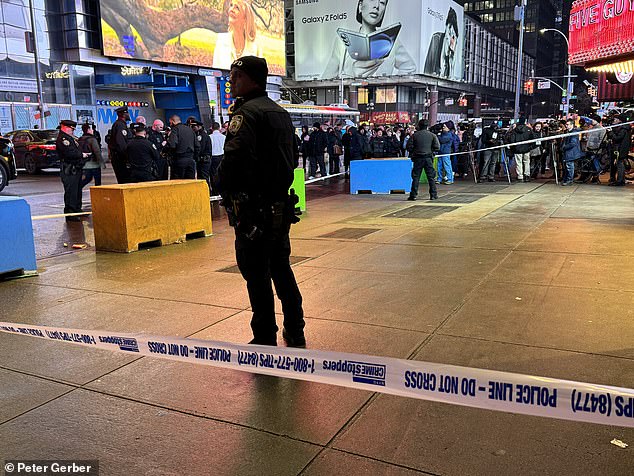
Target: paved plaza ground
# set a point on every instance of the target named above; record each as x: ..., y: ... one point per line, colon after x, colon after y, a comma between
x: 435, y: 282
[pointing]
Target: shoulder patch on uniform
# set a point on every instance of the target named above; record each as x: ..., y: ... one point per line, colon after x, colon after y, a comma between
x: 236, y: 124
x: 65, y: 142
x: 124, y: 132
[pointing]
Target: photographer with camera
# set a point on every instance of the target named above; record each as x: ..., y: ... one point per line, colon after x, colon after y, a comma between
x: 254, y: 177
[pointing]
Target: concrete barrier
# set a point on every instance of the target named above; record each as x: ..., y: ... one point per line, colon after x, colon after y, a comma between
x: 299, y: 185
x: 380, y: 175
x: 164, y: 212
x: 17, y: 248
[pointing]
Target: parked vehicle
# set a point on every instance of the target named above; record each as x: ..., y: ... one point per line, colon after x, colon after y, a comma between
x: 7, y: 162
x: 35, y: 149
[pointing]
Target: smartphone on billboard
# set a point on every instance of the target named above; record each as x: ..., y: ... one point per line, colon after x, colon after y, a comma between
x: 364, y: 47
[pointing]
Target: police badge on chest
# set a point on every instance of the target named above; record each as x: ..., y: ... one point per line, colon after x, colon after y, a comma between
x: 235, y: 124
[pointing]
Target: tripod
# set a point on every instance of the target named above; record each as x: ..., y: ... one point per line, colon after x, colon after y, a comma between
x: 506, y: 165
x: 553, y: 153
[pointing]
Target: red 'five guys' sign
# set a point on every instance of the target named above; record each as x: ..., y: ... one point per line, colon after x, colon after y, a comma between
x: 600, y: 29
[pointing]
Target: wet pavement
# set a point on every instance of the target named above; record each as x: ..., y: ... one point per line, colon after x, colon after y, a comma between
x: 435, y: 282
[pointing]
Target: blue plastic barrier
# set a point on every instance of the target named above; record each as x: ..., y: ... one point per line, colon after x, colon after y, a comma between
x: 380, y: 175
x: 17, y: 249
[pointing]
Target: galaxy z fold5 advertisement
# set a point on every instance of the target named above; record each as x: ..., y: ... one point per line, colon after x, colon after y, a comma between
x: 207, y: 33
x: 373, y: 38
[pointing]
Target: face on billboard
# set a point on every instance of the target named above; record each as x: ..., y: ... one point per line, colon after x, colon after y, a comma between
x: 206, y: 33
x: 373, y: 38
x: 442, y: 50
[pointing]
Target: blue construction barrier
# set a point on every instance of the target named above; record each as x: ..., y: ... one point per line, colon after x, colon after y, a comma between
x: 17, y: 248
x: 380, y: 176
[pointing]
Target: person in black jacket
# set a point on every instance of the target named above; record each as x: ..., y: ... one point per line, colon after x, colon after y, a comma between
x: 318, y: 142
x: 334, y: 150
x: 142, y: 156
x: 377, y: 144
x: 203, y: 157
x: 522, y: 152
x: 490, y: 138
x: 254, y: 178
x: 622, y: 140
x: 305, y: 147
x: 156, y: 136
x: 117, y: 144
x: 72, y: 162
x: 422, y: 146
x: 392, y: 144
x: 182, y: 145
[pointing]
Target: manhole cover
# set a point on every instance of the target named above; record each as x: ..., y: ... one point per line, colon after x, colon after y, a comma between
x: 349, y: 233
x: 234, y: 268
x: 421, y: 211
x: 460, y: 198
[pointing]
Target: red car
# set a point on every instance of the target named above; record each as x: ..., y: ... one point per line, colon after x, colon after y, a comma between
x: 35, y: 149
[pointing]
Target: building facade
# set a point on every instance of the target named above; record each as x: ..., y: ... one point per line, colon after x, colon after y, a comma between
x: 486, y: 87
x: 79, y: 82
x: 548, y: 49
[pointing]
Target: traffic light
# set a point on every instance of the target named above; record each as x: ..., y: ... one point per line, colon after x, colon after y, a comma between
x: 529, y: 87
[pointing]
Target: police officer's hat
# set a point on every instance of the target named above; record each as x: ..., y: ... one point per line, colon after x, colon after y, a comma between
x: 121, y: 110
x: 255, y: 67
x: 137, y: 127
x: 68, y: 123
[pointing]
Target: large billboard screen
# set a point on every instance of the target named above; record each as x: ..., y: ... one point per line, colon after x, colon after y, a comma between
x: 373, y: 38
x: 207, y: 33
x: 600, y: 30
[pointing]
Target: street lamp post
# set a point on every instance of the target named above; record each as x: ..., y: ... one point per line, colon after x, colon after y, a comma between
x: 520, y: 10
x: 569, y: 75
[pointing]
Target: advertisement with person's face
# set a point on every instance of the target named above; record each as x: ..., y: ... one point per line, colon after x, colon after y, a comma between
x: 207, y: 33
x: 357, y: 38
x: 442, y: 50
x: 370, y: 38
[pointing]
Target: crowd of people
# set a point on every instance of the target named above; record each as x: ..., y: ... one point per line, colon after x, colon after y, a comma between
x: 141, y: 153
x: 524, y: 151
x: 585, y: 151
x: 582, y: 150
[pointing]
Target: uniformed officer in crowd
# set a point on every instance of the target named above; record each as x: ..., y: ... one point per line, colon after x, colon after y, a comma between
x: 119, y: 137
x: 181, y: 143
x: 422, y: 146
x: 254, y: 178
x: 156, y: 135
x: 203, y: 154
x: 142, y: 156
x: 72, y: 163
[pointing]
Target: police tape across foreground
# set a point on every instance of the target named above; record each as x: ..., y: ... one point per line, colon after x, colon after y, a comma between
x: 478, y: 388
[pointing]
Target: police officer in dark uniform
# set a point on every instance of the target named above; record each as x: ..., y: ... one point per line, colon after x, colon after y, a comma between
x: 181, y: 143
x: 72, y: 163
x: 254, y: 177
x: 119, y: 137
x: 142, y: 156
x: 203, y: 155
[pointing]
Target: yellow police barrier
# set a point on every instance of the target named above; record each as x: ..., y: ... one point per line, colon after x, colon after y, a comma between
x: 164, y: 212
